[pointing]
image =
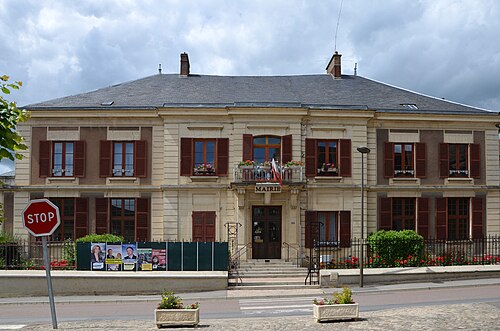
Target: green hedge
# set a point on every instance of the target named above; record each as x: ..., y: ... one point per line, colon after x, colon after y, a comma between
x: 100, y: 238
x: 395, y: 248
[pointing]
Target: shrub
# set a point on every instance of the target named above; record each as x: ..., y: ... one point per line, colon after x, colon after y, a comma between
x: 100, y: 238
x: 396, y: 248
x: 342, y: 298
x: 170, y: 301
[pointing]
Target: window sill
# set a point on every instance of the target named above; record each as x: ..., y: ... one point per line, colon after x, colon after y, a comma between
x: 62, y: 180
x: 199, y: 178
x: 458, y: 181
x: 328, y: 178
x: 122, y: 180
x: 404, y: 181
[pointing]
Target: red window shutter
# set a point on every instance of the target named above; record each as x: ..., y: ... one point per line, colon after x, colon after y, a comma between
x: 286, y: 149
x: 247, y: 147
x: 140, y: 158
x: 475, y: 160
x: 423, y: 217
x: 222, y: 166
x: 186, y: 156
x: 101, y: 215
x: 311, y: 167
x: 345, y: 229
x: 441, y: 218
x: 385, y: 212
x: 44, y: 158
x: 209, y: 227
x: 81, y: 217
x: 312, y: 232
x: 79, y: 158
x: 345, y: 158
x: 105, y: 158
x: 444, y: 162
x: 420, y: 163
x: 198, y: 217
x: 142, y: 219
x: 388, y: 160
x: 477, y: 217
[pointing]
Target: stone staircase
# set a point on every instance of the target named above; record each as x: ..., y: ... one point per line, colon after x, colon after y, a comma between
x: 268, y: 274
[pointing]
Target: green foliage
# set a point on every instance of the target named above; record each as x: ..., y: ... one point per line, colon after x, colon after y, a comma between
x: 342, y: 298
x: 170, y: 301
x: 10, y: 141
x: 391, y: 248
x: 6, y: 238
x: 2, y: 218
x: 100, y: 238
x: 69, y: 252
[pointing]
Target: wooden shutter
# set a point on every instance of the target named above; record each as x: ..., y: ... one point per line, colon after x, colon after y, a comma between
x: 186, y: 156
x: 345, y: 158
x: 247, y: 147
x: 222, y: 166
x: 44, y: 158
x: 79, y: 158
x: 197, y: 225
x: 388, y: 160
x: 312, y: 232
x: 81, y: 217
x: 209, y: 226
x: 385, y: 212
x: 311, y: 167
x: 345, y: 229
x: 444, y: 161
x: 204, y: 226
x: 101, y: 215
x: 420, y: 157
x: 441, y: 218
x: 423, y: 217
x: 140, y: 158
x: 105, y: 158
x: 142, y: 219
x: 475, y: 160
x: 286, y: 149
x: 477, y: 217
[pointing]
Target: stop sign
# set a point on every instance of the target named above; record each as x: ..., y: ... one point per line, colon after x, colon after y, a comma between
x: 41, y: 217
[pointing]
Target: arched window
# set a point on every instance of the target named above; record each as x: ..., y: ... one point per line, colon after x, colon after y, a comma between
x: 266, y: 148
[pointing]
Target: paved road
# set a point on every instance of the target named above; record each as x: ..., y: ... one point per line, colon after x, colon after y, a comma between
x: 218, y: 309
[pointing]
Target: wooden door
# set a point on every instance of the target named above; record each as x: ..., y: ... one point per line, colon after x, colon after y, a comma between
x: 266, y: 232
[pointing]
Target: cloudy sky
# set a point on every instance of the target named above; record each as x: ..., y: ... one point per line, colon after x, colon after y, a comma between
x: 448, y: 49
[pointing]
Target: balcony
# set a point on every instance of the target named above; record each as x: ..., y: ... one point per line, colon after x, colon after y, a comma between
x: 259, y: 173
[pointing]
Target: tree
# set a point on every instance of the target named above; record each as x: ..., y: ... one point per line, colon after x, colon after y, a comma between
x: 10, y: 115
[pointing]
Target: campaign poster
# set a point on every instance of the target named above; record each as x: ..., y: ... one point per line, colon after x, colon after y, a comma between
x: 113, y: 257
x: 159, y: 259
x: 97, y: 256
x: 144, y: 259
x: 129, y: 256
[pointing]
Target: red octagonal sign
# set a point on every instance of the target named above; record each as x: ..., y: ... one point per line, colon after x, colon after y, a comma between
x: 41, y: 217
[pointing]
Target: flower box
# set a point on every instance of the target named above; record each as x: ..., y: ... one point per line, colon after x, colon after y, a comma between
x: 175, y: 317
x: 336, y: 312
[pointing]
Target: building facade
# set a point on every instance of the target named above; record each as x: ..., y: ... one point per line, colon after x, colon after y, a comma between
x: 190, y: 157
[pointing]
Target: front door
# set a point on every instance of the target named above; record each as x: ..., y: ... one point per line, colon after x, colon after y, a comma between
x: 266, y: 232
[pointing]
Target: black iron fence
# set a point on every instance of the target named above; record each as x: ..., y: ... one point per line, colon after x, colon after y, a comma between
x: 481, y: 251
x: 25, y: 254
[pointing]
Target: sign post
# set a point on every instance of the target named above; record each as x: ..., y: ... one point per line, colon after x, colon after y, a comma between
x: 41, y: 218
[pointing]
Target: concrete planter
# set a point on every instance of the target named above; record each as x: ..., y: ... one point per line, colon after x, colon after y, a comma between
x: 335, y: 312
x: 174, y: 317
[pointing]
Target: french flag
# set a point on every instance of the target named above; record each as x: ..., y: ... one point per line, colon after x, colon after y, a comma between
x: 276, y: 172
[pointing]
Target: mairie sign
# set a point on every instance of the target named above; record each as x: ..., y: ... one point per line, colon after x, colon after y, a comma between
x: 267, y: 188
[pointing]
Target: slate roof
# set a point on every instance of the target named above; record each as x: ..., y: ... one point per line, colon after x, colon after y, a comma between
x: 315, y: 91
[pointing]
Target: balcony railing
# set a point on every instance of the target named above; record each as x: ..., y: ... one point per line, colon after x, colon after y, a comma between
x: 252, y: 174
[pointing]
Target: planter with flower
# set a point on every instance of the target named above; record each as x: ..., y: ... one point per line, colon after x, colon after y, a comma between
x: 204, y: 169
x: 172, y: 312
x: 328, y: 169
x: 248, y: 164
x: 293, y: 164
x: 339, y: 307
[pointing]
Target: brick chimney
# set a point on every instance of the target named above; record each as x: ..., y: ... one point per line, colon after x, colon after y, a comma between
x: 333, y: 67
x: 184, y: 65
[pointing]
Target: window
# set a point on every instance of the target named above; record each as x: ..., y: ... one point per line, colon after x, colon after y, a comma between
x: 458, y: 218
x: 204, y: 157
x: 328, y: 228
x: 74, y: 219
x: 204, y: 226
x: 403, y: 160
x: 403, y: 214
x: 327, y: 158
x: 63, y: 159
x: 123, y: 218
x: 123, y: 159
x: 266, y: 148
x: 458, y: 160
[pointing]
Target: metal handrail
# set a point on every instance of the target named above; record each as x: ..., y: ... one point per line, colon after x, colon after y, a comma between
x: 234, y: 262
x: 294, y: 247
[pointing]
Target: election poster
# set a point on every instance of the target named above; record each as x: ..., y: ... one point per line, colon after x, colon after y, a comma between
x: 113, y: 257
x: 97, y: 256
x: 129, y: 256
x: 144, y: 259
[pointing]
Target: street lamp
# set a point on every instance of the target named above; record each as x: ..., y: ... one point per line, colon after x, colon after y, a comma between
x: 363, y: 151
